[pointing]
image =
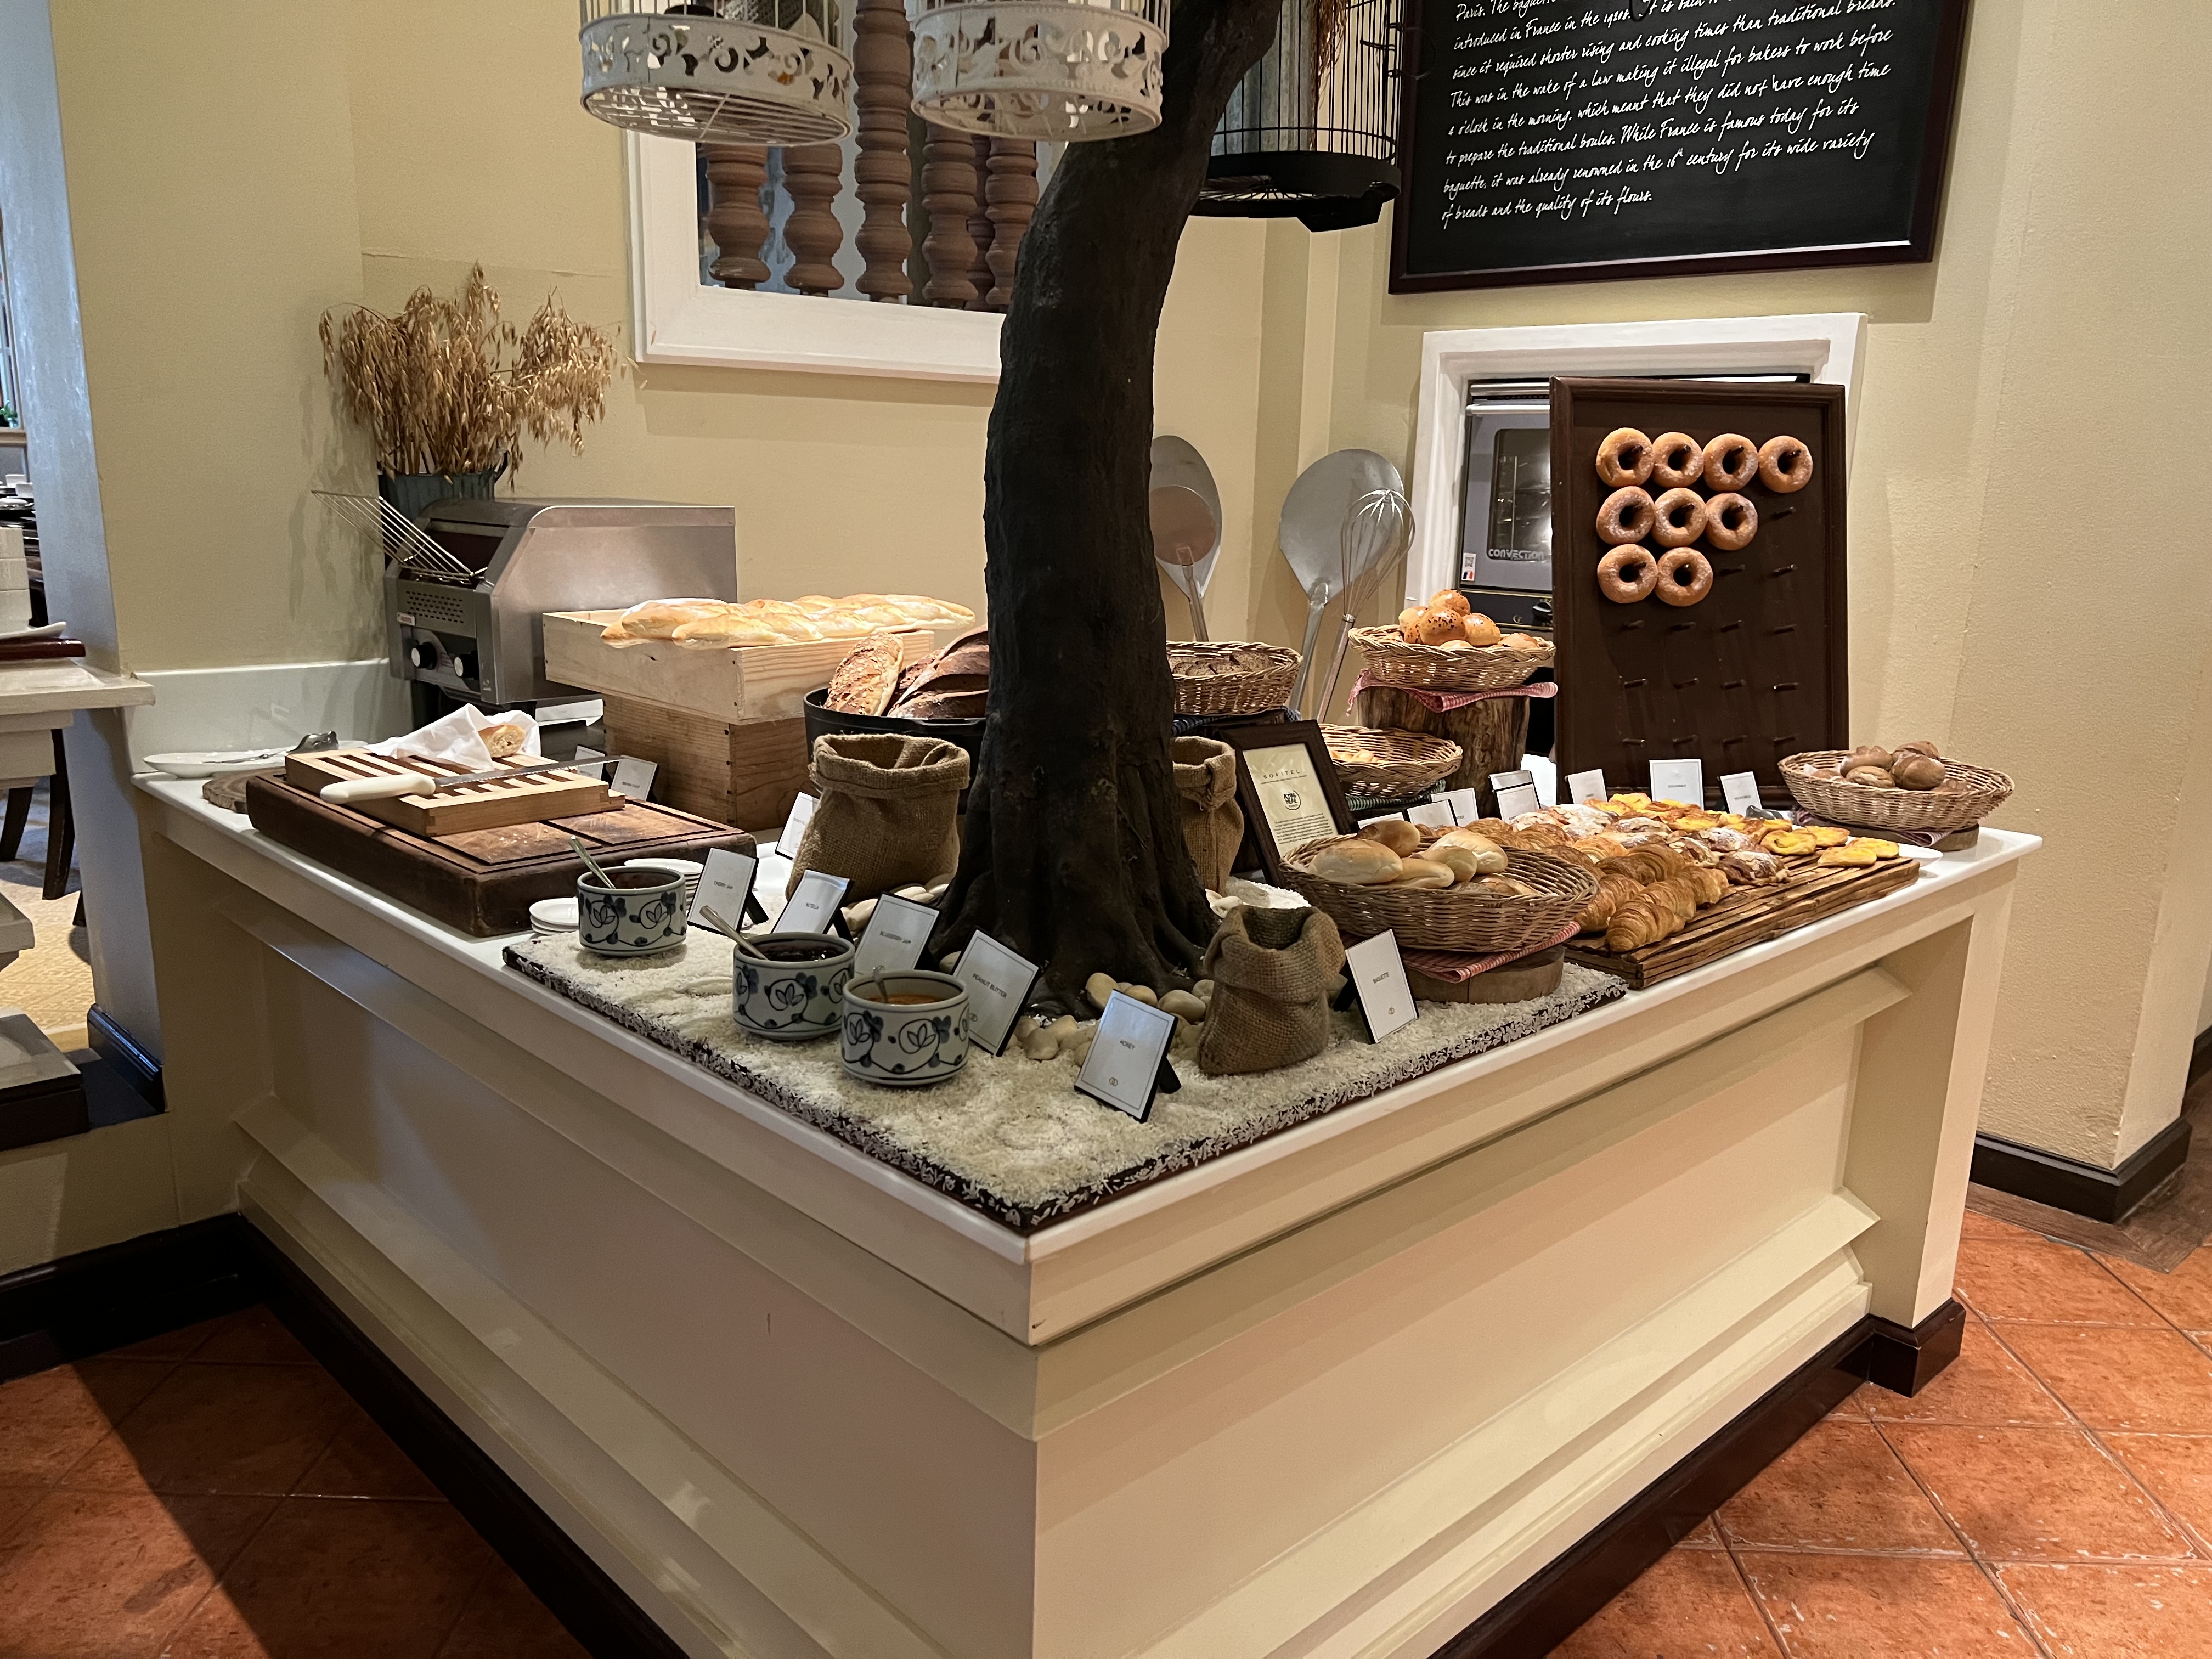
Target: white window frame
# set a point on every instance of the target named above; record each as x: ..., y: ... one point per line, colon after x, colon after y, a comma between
x: 1829, y: 347
x: 677, y: 318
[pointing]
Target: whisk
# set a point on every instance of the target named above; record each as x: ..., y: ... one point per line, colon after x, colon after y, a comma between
x: 1378, y: 528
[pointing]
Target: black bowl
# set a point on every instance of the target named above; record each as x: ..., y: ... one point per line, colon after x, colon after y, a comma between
x: 822, y: 720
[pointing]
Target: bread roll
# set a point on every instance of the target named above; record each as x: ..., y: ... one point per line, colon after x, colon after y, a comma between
x: 1490, y: 857
x: 1423, y: 872
x: 1438, y: 624
x: 1449, y: 599
x: 1359, y: 863
x: 1479, y: 629
x: 1409, y: 623
x: 1400, y: 837
x: 1462, y: 862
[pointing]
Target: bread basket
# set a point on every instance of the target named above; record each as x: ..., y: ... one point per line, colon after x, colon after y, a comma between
x: 1969, y: 794
x: 1392, y: 659
x: 1451, y: 918
x: 1227, y: 678
x: 1404, y: 763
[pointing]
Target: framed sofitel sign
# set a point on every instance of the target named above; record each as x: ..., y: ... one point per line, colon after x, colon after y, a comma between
x: 1548, y: 141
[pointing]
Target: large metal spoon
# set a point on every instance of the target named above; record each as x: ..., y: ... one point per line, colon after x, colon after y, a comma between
x: 1176, y: 464
x: 1184, y: 532
x: 1312, y: 535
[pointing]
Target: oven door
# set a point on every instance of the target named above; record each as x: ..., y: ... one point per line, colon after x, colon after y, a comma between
x: 1505, y: 524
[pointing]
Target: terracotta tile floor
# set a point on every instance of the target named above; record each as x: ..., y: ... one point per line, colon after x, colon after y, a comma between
x: 2049, y: 1496
x: 213, y: 1494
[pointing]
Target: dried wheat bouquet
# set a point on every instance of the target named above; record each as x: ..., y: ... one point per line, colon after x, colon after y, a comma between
x: 446, y: 386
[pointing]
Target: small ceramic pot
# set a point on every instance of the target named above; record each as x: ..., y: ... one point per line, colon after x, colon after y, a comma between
x: 640, y: 912
x: 905, y: 1030
x: 790, y: 986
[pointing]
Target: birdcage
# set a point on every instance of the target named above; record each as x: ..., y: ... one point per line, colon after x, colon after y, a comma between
x: 1311, y: 132
x: 1056, y: 70
x: 719, y: 72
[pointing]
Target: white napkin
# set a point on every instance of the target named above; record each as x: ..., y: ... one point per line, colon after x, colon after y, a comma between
x: 455, y: 737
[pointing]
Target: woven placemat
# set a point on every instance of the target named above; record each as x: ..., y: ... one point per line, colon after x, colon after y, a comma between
x: 1009, y: 1137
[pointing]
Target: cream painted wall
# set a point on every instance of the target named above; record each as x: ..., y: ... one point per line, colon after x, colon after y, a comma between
x: 2002, y: 603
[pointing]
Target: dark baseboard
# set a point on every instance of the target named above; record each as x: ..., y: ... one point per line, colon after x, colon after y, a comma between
x: 1553, y: 1603
x: 108, y: 1298
x: 124, y: 1056
x: 2200, y: 1058
x: 2084, y: 1189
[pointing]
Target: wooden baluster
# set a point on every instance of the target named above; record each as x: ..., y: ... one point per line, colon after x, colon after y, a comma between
x: 979, y: 229
x: 813, y: 174
x: 948, y: 191
x: 883, y: 81
x: 735, y: 174
x: 1012, y: 193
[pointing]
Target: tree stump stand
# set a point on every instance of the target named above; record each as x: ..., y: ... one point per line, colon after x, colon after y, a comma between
x: 1492, y: 733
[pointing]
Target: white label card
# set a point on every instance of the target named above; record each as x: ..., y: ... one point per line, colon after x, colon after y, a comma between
x: 1516, y: 793
x: 810, y: 909
x: 1679, y: 780
x: 1582, y: 788
x: 999, y: 981
x: 634, y: 778
x: 1437, y: 814
x: 724, y: 886
x: 1465, y: 804
x: 589, y: 763
x: 1380, y: 817
x: 1378, y: 975
x: 896, y: 934
x: 1123, y: 1066
x: 1740, y: 791
x: 802, y: 809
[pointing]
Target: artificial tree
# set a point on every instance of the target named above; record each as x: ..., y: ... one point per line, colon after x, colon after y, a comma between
x: 1073, y: 849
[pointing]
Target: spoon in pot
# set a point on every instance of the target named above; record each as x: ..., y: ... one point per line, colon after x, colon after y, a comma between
x: 598, y: 871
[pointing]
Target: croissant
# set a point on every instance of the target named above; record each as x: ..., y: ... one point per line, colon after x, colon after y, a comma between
x: 1677, y: 894
x: 1640, y: 922
x: 1643, y: 866
x: 1612, y: 892
x: 1713, y: 885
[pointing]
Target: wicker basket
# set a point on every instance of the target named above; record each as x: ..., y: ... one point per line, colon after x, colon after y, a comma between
x: 1448, y: 918
x: 1226, y: 678
x: 1405, y: 762
x: 1392, y: 660
x: 1969, y: 794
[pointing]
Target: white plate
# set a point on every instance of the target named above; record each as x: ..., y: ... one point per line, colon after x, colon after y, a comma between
x: 214, y: 763
x: 555, y: 916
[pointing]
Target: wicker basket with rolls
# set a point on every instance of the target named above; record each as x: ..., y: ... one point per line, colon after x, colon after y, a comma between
x: 1444, y: 645
x: 1226, y: 678
x: 1910, y: 787
x: 1439, y: 890
x: 1385, y: 765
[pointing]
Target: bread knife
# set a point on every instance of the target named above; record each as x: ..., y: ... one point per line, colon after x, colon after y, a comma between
x: 389, y: 785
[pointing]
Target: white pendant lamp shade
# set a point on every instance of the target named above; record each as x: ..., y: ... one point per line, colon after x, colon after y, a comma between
x: 1062, y: 70
x: 719, y: 72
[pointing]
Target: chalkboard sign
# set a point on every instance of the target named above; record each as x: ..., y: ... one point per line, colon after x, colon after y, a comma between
x: 1551, y: 141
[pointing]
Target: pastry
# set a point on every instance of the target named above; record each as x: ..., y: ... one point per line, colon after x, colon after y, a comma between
x: 1625, y: 457
x: 1678, y: 518
x: 1827, y: 834
x: 1640, y: 922
x: 1358, y: 862
x: 1731, y: 521
x: 1882, y: 849
x: 1731, y: 462
x: 1713, y: 885
x: 865, y: 680
x: 1678, y: 893
x: 1750, y: 867
x: 1677, y: 460
x: 1785, y: 465
x: 1400, y: 837
x: 1625, y: 516
x: 1627, y: 574
x: 1686, y: 576
x: 1852, y: 852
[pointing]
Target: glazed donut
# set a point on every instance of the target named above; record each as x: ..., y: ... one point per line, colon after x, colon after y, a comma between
x: 1731, y: 461
x: 1784, y: 465
x: 1626, y: 517
x: 1678, y: 518
x: 1685, y: 576
x: 1625, y: 457
x: 1677, y: 459
x: 1627, y: 574
x: 1730, y: 521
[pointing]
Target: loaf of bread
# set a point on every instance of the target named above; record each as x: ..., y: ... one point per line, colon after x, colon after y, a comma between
x: 1360, y: 863
x: 659, y: 619
x: 504, y: 738
x: 1489, y: 856
x: 1423, y: 872
x: 1400, y: 837
x: 719, y: 623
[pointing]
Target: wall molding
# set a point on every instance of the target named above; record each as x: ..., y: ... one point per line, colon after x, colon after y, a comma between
x: 2084, y: 1190
x: 105, y: 1038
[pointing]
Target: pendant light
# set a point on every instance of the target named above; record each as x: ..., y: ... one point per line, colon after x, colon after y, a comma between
x: 1311, y: 132
x: 1061, y: 71
x: 719, y: 72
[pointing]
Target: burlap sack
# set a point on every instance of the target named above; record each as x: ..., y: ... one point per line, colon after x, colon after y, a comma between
x: 884, y: 813
x: 1273, y: 973
x: 1213, y: 822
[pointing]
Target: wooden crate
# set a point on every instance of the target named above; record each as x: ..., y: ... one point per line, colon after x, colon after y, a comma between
x: 739, y: 683
x: 739, y: 772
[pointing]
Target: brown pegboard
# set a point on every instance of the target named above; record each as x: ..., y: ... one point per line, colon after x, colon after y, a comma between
x: 1759, y: 671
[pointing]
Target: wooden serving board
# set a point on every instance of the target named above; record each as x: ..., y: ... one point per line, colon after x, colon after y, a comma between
x: 1752, y: 915
x: 490, y: 805
x: 742, y: 682
x: 481, y: 881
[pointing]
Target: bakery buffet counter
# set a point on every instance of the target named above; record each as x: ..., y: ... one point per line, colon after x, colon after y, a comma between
x: 1340, y: 1391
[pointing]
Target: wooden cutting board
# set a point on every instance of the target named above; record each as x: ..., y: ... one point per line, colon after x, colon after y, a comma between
x: 1752, y: 915
x: 490, y: 805
x: 481, y: 881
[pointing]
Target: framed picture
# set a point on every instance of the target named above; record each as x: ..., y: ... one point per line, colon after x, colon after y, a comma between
x: 1288, y: 788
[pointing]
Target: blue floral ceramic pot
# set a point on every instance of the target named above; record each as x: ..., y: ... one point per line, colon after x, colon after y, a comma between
x: 640, y: 912
x: 907, y: 1030
x: 790, y: 986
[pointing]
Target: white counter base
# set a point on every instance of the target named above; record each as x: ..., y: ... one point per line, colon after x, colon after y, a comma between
x: 1335, y: 1394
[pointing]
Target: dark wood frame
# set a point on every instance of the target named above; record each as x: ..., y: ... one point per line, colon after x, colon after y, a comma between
x: 1258, y: 838
x: 1918, y: 248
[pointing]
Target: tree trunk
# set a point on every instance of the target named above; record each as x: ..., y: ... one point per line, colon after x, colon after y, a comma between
x: 1073, y: 848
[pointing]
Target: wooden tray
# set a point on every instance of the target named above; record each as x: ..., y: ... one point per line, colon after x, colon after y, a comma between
x: 490, y: 805
x: 737, y: 683
x: 1752, y: 915
x: 1757, y: 671
x: 481, y: 881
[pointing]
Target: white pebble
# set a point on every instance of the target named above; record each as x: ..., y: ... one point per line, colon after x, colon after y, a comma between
x: 1183, y: 1005
x: 1098, y: 988
x: 1040, y: 1045
x: 1143, y: 994
x: 1203, y: 990
x: 946, y: 964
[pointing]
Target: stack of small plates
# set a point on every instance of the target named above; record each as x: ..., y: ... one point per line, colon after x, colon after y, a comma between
x: 553, y: 915
x: 685, y: 867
